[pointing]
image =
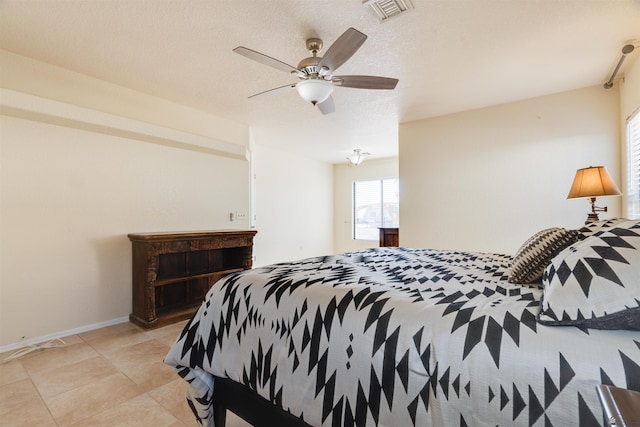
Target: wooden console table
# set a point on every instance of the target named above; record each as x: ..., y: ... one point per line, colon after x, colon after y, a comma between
x: 172, y: 272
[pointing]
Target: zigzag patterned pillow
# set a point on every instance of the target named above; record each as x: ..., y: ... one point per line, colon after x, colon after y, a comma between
x: 596, y: 282
x: 536, y: 253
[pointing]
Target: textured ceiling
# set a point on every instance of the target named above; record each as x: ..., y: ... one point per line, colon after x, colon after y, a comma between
x: 449, y: 55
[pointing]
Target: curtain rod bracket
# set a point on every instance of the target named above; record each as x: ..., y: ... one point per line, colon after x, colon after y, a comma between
x: 626, y: 49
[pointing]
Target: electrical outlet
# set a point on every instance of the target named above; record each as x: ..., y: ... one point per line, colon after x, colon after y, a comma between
x: 241, y: 216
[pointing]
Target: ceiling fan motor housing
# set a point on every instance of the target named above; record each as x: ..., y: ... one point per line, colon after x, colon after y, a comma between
x: 309, y: 66
x: 314, y: 45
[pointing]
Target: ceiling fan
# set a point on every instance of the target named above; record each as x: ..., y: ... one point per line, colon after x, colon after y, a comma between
x: 316, y: 73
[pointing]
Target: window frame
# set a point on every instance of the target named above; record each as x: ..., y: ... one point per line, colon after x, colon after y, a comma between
x: 632, y: 166
x: 381, y: 192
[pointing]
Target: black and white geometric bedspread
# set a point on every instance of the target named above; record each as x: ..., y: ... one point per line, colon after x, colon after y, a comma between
x: 400, y: 337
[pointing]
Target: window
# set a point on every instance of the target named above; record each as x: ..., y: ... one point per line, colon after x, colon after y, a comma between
x: 375, y: 205
x: 633, y: 166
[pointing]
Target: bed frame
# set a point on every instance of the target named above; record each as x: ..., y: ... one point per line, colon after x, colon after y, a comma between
x: 248, y: 405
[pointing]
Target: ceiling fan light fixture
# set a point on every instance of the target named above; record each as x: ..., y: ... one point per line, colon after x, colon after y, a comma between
x: 357, y: 157
x: 314, y: 91
x: 316, y: 73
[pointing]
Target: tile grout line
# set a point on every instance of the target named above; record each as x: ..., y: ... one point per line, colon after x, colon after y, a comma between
x: 44, y: 402
x: 104, y: 356
x: 145, y: 393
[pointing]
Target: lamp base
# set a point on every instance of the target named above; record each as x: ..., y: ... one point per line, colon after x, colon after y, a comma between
x: 592, y: 217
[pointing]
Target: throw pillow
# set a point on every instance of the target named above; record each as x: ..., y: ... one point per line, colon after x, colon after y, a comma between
x: 536, y: 253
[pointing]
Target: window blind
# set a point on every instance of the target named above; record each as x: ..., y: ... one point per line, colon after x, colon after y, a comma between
x: 633, y: 166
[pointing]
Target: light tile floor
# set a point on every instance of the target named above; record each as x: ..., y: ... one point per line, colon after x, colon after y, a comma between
x: 108, y: 377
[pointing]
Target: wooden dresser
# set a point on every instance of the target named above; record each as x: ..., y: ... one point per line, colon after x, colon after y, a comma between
x: 172, y: 272
x: 389, y: 237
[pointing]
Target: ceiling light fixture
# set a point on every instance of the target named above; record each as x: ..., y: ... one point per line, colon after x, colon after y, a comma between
x: 314, y: 91
x: 357, y: 157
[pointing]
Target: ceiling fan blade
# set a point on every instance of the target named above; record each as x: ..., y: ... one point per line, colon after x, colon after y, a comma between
x: 275, y: 89
x: 327, y: 106
x: 342, y: 49
x: 264, y: 59
x: 365, y: 82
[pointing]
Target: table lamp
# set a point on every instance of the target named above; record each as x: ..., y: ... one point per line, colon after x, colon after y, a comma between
x: 592, y: 182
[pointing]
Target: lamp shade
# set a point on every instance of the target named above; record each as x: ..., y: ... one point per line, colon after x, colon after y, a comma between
x: 592, y: 182
x: 314, y: 90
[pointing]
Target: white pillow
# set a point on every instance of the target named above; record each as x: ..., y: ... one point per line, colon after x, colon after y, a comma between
x: 593, y: 227
x: 596, y: 282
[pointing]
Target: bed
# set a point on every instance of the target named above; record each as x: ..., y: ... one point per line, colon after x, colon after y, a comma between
x: 422, y: 337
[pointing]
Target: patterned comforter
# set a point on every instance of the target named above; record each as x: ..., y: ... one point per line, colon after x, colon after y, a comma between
x: 400, y: 337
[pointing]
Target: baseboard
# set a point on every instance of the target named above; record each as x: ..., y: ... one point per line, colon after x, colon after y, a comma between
x: 62, y: 334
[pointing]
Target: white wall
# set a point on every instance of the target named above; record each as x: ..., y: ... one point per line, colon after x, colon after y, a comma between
x: 488, y: 179
x: 36, y: 78
x: 344, y: 176
x: 68, y: 197
x: 293, y: 206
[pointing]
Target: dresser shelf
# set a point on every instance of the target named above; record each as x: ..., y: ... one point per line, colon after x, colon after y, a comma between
x: 172, y: 272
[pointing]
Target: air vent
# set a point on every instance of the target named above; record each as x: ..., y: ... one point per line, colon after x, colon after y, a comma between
x: 385, y: 9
